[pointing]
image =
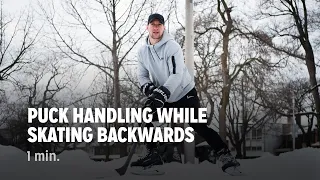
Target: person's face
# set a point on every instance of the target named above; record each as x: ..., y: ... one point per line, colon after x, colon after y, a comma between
x: 155, y: 29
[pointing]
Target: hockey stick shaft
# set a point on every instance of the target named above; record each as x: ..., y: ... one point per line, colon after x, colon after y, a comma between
x: 123, y: 169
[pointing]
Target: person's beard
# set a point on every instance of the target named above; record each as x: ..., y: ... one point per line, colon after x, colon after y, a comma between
x: 156, y: 36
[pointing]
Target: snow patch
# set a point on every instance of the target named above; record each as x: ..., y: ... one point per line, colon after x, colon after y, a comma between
x: 79, y: 156
x: 76, y: 164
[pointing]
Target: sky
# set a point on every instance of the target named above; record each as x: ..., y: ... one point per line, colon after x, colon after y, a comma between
x: 13, y: 5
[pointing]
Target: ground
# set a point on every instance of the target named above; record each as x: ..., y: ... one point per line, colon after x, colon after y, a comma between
x: 302, y: 164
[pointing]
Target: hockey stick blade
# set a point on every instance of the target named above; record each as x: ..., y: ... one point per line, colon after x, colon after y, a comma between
x: 123, y: 169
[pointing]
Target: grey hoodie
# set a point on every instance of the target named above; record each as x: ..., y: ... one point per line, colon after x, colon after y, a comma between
x: 163, y: 64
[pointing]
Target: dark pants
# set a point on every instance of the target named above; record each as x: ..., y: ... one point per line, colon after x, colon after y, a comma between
x: 191, y: 100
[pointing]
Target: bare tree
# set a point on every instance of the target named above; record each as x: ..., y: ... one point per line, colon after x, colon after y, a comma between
x: 279, y: 99
x: 304, y: 107
x: 244, y: 114
x: 121, y: 22
x: 226, y: 30
x: 295, y: 35
x: 40, y: 87
x: 17, y: 38
x: 222, y: 51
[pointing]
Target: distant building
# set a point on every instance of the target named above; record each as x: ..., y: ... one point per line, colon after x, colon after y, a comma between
x: 274, y: 138
x: 266, y: 138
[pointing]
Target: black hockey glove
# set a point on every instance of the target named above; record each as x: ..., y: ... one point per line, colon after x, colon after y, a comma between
x: 157, y: 99
x: 147, y: 88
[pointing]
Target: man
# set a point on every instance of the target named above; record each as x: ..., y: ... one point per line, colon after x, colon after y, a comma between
x: 165, y: 80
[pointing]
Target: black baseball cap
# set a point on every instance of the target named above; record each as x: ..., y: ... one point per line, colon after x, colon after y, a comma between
x: 156, y: 16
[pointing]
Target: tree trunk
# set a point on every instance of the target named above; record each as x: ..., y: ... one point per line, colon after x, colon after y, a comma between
x: 309, y: 58
x: 224, y: 67
x: 222, y: 114
x: 309, y: 131
x: 106, y: 151
x: 225, y: 89
x: 308, y: 139
x: 244, y: 150
x: 313, y: 81
x: 244, y: 119
x: 238, y: 149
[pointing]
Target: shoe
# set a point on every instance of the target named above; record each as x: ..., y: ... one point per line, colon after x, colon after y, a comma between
x: 152, y: 158
x: 227, y: 160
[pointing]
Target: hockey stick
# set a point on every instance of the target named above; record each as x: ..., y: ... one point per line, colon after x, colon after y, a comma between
x: 123, y: 169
